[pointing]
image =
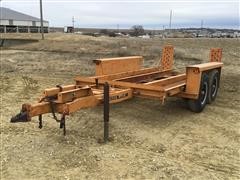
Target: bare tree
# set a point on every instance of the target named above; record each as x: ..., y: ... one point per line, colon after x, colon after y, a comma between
x: 137, y: 30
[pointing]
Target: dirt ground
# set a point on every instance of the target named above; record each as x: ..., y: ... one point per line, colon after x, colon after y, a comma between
x: 149, y: 141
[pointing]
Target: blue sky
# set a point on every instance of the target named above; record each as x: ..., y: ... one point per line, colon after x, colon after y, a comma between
x: 151, y: 14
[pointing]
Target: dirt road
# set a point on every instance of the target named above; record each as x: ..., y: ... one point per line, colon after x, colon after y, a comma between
x: 149, y: 141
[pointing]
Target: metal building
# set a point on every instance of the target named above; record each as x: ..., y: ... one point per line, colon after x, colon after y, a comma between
x: 13, y: 21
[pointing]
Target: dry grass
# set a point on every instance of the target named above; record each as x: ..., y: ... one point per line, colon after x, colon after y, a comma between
x: 150, y: 141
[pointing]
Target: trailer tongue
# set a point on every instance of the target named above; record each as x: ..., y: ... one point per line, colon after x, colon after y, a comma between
x: 120, y: 79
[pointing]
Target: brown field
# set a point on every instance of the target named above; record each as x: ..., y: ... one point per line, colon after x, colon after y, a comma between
x: 149, y: 141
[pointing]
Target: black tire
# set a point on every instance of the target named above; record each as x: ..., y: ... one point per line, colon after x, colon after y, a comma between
x: 197, y: 105
x: 213, y: 85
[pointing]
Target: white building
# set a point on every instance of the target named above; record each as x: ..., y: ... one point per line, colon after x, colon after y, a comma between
x: 13, y: 21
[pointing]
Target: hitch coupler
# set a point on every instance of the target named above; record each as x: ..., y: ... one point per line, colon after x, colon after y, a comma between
x: 23, y: 116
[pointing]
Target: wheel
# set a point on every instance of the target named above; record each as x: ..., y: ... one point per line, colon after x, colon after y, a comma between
x: 197, y: 105
x: 213, y: 85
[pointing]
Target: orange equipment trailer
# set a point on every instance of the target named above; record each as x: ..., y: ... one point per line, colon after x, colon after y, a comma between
x: 120, y: 79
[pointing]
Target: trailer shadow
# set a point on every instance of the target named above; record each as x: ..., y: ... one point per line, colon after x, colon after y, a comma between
x: 150, y: 112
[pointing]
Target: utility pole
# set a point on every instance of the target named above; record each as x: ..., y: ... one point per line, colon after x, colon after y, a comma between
x: 202, y: 24
x: 170, y: 20
x: 201, y: 30
x: 153, y: 31
x: 118, y: 28
x: 73, y: 22
x: 41, y: 14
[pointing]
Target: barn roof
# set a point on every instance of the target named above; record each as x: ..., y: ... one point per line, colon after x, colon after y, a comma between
x: 9, y: 14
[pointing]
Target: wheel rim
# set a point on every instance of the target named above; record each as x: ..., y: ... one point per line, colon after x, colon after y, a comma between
x: 214, y: 86
x: 204, y: 91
